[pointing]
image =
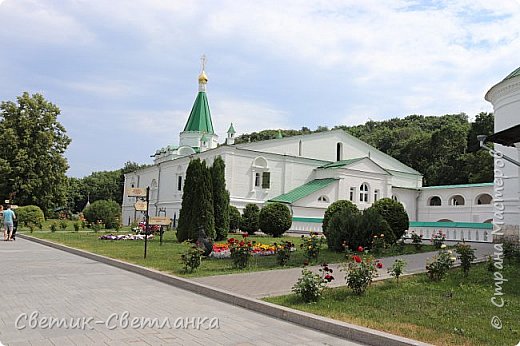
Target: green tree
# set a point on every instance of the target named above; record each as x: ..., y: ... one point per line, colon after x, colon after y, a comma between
x: 394, y: 214
x: 250, y: 219
x: 30, y: 216
x: 344, y: 230
x: 234, y: 218
x: 220, y: 198
x: 336, y: 207
x: 108, y: 212
x: 275, y: 219
x: 32, y: 145
x: 197, y: 203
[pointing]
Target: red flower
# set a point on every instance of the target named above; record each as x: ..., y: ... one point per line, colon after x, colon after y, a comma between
x: 245, y: 235
x: 231, y: 240
x: 329, y: 278
x: 357, y: 258
x: 379, y: 265
x: 360, y: 249
x: 241, y: 243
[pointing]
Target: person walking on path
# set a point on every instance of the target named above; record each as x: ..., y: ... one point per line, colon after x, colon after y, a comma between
x: 9, y: 217
x: 2, y: 221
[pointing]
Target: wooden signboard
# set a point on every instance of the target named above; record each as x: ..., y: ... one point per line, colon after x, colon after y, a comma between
x: 140, y: 206
x: 136, y: 192
x: 159, y: 220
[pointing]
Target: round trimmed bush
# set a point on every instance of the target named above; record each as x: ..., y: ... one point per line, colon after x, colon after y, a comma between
x: 108, y: 212
x: 275, y: 219
x: 336, y: 207
x: 234, y: 218
x: 393, y: 212
x: 30, y: 216
x: 250, y: 218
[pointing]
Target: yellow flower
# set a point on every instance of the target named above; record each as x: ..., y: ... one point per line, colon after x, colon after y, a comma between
x: 443, y: 246
x: 452, y: 258
x: 382, y: 235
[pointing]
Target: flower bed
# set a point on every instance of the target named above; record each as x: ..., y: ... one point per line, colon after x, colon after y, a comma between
x: 221, y: 250
x: 124, y: 237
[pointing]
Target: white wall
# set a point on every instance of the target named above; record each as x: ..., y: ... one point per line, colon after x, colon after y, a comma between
x: 469, y: 212
x: 505, y: 97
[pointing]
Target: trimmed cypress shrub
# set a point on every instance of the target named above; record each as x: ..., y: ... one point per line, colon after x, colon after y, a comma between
x: 336, y: 207
x: 374, y: 224
x: 234, y: 218
x: 250, y: 218
x: 393, y: 212
x: 197, y: 203
x: 344, y: 230
x: 275, y: 219
x: 220, y: 198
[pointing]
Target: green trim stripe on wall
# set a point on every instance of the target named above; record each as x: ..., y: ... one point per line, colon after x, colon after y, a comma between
x: 308, y: 219
x: 452, y: 224
x: 416, y: 224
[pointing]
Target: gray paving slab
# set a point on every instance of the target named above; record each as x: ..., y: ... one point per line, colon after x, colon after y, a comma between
x: 46, y: 283
x: 279, y: 282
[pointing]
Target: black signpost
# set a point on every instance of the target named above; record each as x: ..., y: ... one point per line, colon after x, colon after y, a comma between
x: 147, y: 225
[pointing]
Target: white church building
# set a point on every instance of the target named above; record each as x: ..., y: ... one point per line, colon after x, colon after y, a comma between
x: 308, y: 173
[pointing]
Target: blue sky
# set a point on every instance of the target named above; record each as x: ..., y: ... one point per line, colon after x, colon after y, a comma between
x: 124, y: 73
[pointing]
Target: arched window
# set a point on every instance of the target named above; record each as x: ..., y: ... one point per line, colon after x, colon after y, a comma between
x: 376, y: 195
x: 394, y: 197
x: 261, y: 175
x: 179, y: 183
x: 484, y: 199
x: 456, y: 200
x: 339, y: 151
x: 488, y: 221
x: 153, y: 190
x: 363, y: 193
x: 445, y: 220
x: 323, y: 199
x: 435, y: 201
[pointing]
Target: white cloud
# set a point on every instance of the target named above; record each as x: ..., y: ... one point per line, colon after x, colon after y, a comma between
x: 246, y: 116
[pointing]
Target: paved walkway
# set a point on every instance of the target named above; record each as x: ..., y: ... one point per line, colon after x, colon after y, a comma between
x: 278, y: 282
x: 36, y: 279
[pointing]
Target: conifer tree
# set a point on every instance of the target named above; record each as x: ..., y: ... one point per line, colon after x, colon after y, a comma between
x: 250, y: 218
x: 220, y: 198
x: 197, y: 203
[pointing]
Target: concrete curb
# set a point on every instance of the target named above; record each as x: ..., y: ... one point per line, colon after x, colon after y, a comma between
x: 337, y: 328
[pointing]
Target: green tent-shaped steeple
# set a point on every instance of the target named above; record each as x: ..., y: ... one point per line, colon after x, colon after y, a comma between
x: 200, y: 116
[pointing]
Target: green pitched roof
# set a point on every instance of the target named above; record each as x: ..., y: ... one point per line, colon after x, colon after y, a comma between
x: 513, y: 74
x: 341, y: 163
x: 231, y: 129
x: 303, y: 191
x: 457, y: 186
x: 200, y: 116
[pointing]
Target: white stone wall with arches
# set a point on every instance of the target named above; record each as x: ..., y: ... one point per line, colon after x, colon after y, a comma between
x: 456, y: 203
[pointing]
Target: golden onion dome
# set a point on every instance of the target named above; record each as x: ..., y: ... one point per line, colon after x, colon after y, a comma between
x: 203, y: 78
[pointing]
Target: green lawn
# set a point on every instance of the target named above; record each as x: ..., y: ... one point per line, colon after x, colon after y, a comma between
x: 456, y: 311
x: 167, y: 257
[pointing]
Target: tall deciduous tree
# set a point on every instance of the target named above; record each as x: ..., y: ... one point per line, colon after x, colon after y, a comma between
x: 197, y: 203
x: 32, y: 144
x: 220, y: 198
